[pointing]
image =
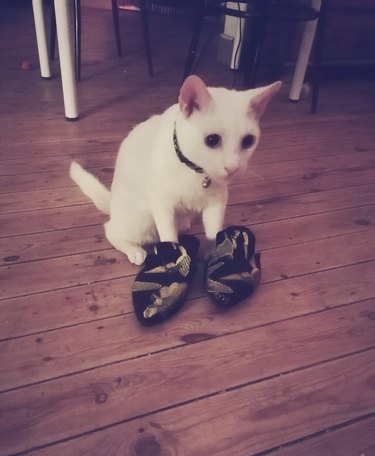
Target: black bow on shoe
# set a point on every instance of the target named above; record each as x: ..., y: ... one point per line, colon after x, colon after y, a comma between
x: 161, y: 287
x: 230, y: 275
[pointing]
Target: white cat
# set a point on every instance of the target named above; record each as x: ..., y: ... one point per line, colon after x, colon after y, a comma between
x: 177, y: 164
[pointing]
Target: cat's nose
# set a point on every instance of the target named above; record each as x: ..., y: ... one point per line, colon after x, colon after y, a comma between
x: 231, y: 169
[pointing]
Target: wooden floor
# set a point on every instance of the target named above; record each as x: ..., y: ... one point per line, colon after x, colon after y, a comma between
x: 290, y: 372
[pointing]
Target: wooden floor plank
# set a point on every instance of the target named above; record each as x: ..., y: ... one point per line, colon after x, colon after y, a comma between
x: 60, y: 178
x: 290, y: 261
x: 345, y: 135
x: 308, y: 165
x: 259, y: 188
x: 70, y: 306
x: 61, y: 162
x: 253, y: 190
x: 50, y: 219
x: 354, y: 439
x: 312, y: 130
x: 95, y: 154
x: 284, y: 404
x: 64, y: 271
x: 338, y: 333
x: 47, y: 180
x: 60, y: 272
x: 266, y: 209
x: 122, y: 94
x: 44, y: 150
x: 66, y: 307
x: 53, y: 244
x: 298, y: 205
x: 84, y: 346
x: 70, y: 241
x: 40, y: 199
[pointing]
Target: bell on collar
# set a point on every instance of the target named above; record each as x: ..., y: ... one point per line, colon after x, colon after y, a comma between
x: 206, y: 181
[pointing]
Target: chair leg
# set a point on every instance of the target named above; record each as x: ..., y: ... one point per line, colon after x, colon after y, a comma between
x: 77, y: 37
x: 116, y: 24
x: 304, y: 53
x: 318, y: 56
x: 52, y: 44
x: 146, y: 36
x: 257, y: 37
x: 256, y: 44
x: 199, y: 15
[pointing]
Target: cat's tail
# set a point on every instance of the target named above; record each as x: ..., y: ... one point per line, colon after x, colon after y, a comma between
x: 91, y: 187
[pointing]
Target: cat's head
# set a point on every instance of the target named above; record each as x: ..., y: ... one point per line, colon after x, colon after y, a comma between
x: 217, y: 128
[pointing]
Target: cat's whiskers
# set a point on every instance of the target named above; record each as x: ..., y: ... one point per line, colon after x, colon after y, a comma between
x: 251, y: 171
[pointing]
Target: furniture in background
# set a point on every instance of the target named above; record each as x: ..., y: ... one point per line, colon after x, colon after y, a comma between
x: 193, y: 8
x: 201, y: 8
x: 65, y: 52
x: 259, y: 13
x: 61, y: 8
x: 145, y: 7
x: 78, y: 34
x: 334, y: 8
x: 318, y: 55
x: 304, y: 52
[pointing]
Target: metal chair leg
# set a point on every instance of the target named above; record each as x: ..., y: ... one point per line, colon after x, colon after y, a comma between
x: 199, y: 15
x: 116, y: 24
x: 52, y: 44
x: 316, y: 70
x: 257, y: 38
x: 146, y: 36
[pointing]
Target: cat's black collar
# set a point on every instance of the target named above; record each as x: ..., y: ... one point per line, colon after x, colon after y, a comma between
x: 206, y: 180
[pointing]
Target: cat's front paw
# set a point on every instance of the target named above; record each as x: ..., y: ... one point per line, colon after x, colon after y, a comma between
x: 136, y: 254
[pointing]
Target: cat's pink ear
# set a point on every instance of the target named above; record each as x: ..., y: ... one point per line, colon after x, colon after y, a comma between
x: 194, y: 95
x: 261, y: 97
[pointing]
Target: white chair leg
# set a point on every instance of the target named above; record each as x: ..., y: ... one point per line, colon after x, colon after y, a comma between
x: 41, y: 39
x: 303, y: 55
x: 66, y: 59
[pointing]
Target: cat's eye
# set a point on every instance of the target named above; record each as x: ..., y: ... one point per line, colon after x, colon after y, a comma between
x: 213, y: 140
x: 247, y: 141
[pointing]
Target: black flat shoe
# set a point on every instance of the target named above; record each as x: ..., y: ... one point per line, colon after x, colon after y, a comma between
x: 230, y: 275
x: 161, y: 287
